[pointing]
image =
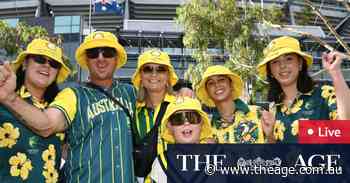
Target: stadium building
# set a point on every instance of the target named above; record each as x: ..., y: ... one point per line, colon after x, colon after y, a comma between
x: 143, y: 24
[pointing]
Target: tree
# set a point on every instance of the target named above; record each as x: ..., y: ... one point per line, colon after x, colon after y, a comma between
x: 227, y: 26
x: 15, y: 39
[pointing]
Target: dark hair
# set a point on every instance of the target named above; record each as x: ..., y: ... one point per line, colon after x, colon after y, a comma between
x: 181, y: 83
x: 304, y: 84
x: 50, y: 92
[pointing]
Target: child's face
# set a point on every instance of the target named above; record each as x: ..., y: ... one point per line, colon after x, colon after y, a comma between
x: 185, y: 126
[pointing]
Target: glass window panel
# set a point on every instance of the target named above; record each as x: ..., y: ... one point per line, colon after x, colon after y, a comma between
x: 75, y: 29
x: 62, y: 20
x: 75, y: 20
x: 62, y: 29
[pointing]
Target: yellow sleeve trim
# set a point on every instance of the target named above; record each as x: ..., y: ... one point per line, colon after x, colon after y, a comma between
x: 66, y: 101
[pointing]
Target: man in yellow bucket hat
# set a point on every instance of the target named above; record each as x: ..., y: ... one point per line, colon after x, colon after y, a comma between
x: 233, y: 121
x: 98, y: 130
x: 25, y: 155
x: 295, y: 94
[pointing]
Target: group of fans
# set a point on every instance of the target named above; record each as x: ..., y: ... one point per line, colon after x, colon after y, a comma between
x: 102, y: 120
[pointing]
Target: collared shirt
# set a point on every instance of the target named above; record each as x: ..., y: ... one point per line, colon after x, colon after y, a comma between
x: 146, y: 119
x: 99, y: 134
x: 146, y: 116
x: 318, y: 104
x: 246, y: 126
x: 24, y: 155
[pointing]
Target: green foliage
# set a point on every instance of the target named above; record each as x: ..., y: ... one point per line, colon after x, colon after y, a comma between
x: 14, y: 39
x: 223, y: 24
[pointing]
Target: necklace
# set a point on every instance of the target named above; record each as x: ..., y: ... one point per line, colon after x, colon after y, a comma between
x: 226, y: 121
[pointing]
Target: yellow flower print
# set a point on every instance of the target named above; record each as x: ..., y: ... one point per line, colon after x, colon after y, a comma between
x: 51, y: 175
x: 20, y: 166
x: 332, y: 99
x: 333, y: 115
x: 8, y: 135
x: 284, y: 109
x: 297, y: 106
x: 60, y: 136
x: 327, y: 91
x: 49, y: 164
x: 278, y: 130
x: 49, y: 154
x: 295, y: 127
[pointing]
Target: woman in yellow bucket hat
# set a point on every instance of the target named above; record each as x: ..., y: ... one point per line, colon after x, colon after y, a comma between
x: 233, y: 121
x: 24, y: 155
x: 184, y: 122
x: 153, y: 79
x: 294, y: 93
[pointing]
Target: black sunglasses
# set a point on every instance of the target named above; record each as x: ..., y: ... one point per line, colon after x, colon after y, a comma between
x: 149, y: 69
x: 39, y: 59
x: 179, y: 118
x: 107, y: 52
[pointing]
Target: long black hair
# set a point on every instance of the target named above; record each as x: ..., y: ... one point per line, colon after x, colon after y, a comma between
x: 304, y: 84
x: 50, y: 92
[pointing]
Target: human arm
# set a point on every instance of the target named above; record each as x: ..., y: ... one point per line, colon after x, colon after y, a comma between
x: 43, y: 123
x: 268, y: 122
x: 332, y: 62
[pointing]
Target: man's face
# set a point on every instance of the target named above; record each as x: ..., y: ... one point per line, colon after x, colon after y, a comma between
x: 101, y: 62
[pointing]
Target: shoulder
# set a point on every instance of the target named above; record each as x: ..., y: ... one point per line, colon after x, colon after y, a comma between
x: 125, y: 89
x: 125, y: 86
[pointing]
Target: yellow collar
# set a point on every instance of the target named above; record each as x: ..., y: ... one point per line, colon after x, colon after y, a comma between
x: 167, y: 98
x: 25, y: 94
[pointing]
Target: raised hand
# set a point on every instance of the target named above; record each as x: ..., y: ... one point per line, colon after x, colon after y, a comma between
x: 268, y: 122
x: 332, y: 62
x: 7, y: 82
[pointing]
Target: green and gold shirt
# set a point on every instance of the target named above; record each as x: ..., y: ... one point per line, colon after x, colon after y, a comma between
x: 246, y: 127
x: 24, y: 155
x: 318, y: 104
x: 98, y: 134
x: 146, y: 118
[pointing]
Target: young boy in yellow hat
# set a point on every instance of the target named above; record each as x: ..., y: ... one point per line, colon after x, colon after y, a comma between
x: 294, y: 93
x: 25, y: 155
x: 184, y: 123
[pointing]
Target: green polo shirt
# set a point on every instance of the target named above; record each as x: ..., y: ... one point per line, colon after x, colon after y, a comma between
x: 318, y: 104
x: 24, y: 155
x: 99, y: 134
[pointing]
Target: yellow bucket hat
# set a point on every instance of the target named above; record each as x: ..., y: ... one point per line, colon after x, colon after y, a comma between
x: 185, y: 103
x: 280, y: 46
x: 100, y: 39
x: 236, y: 83
x: 45, y: 48
x: 157, y: 57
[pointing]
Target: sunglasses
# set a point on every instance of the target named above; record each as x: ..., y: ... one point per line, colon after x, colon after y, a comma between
x: 107, y: 52
x: 179, y: 118
x: 150, y: 69
x: 43, y: 60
